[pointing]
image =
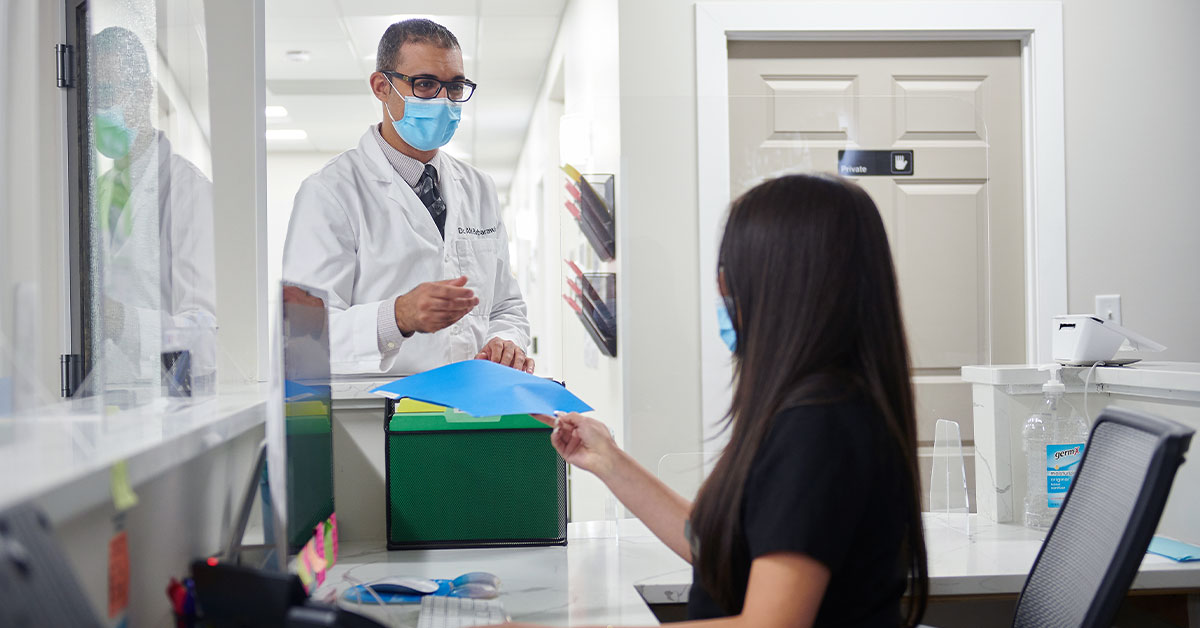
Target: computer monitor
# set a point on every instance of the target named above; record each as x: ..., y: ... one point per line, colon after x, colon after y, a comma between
x: 307, y: 408
x: 294, y: 467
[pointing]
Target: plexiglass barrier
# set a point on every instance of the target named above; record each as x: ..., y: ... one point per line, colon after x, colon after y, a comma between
x: 149, y: 286
x: 949, y: 497
x: 106, y: 240
x: 685, y: 472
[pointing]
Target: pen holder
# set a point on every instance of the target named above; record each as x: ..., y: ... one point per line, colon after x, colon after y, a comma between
x: 457, y: 481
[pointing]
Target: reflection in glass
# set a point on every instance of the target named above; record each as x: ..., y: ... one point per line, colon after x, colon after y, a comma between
x: 153, y: 323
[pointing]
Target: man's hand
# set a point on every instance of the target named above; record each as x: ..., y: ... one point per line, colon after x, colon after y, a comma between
x: 507, y: 353
x: 434, y: 305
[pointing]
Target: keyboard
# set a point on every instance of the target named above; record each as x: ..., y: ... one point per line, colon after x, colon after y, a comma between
x: 440, y: 611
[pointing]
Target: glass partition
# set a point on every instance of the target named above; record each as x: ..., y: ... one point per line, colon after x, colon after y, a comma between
x: 147, y: 278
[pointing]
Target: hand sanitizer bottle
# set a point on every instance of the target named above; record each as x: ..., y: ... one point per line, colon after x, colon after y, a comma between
x: 1053, y: 438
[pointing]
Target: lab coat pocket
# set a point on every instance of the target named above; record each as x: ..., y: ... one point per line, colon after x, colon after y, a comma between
x: 478, y: 261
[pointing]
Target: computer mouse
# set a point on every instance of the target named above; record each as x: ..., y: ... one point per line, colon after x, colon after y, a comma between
x: 480, y: 577
x: 475, y: 590
x: 403, y: 585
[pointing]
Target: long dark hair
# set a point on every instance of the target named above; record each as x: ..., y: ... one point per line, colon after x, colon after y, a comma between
x: 806, y: 263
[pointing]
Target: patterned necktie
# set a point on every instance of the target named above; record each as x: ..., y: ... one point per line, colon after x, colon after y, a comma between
x: 427, y: 191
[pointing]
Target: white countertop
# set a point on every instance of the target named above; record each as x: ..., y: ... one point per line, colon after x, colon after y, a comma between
x: 1182, y: 377
x: 590, y: 581
x: 358, y: 387
x: 62, y: 457
x: 596, y: 578
x: 997, y: 557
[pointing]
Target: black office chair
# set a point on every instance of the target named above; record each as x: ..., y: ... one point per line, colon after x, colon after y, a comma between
x: 1097, y: 542
x: 37, y: 584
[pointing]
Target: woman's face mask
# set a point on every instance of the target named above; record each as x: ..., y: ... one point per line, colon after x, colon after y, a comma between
x: 427, y: 123
x: 725, y: 323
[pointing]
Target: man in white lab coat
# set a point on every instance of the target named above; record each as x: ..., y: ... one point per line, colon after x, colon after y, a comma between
x: 404, y: 239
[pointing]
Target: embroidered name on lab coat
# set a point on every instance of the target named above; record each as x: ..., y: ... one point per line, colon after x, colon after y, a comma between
x: 478, y: 232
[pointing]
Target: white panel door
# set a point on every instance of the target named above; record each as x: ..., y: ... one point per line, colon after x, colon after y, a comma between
x: 955, y: 225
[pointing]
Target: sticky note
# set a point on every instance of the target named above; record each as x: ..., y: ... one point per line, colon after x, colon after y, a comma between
x: 118, y: 574
x: 315, y: 562
x: 302, y: 570
x: 318, y: 547
x: 122, y: 493
x: 331, y: 541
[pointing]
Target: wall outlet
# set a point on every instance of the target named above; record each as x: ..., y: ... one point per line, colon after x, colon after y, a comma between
x: 1108, y: 307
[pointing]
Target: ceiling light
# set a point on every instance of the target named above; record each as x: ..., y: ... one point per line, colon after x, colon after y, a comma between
x: 298, y: 56
x: 276, y: 111
x: 286, y: 134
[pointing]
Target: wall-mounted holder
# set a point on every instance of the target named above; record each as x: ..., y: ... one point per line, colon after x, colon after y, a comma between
x: 591, y: 204
x: 593, y: 296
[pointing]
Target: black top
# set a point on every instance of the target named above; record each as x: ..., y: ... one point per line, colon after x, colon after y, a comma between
x: 827, y: 482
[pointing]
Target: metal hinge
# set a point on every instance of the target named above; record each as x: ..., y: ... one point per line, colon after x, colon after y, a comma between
x: 69, y: 374
x: 64, y: 55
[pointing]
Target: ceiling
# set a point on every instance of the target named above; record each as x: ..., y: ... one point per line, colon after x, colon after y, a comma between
x: 506, y: 46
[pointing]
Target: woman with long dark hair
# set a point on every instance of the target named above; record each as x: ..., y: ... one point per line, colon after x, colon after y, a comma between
x: 811, y: 516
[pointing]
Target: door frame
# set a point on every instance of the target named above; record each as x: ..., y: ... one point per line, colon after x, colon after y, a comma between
x: 1036, y: 25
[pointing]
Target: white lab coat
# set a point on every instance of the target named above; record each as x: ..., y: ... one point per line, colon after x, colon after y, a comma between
x: 359, y: 233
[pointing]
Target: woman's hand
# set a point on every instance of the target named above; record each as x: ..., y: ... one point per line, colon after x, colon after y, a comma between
x: 584, y: 442
x: 587, y: 444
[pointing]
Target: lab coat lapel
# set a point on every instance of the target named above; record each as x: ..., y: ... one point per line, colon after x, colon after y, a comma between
x: 453, y: 194
x: 399, y: 194
x: 418, y: 214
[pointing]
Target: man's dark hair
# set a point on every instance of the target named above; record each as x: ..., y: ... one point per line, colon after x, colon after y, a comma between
x: 417, y: 30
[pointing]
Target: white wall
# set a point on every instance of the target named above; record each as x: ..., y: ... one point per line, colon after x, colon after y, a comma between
x: 236, y: 109
x: 579, y: 83
x: 285, y: 172
x: 1133, y: 214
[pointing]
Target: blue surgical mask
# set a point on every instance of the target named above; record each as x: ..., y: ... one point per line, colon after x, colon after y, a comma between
x: 114, y: 138
x: 427, y: 123
x: 728, y: 334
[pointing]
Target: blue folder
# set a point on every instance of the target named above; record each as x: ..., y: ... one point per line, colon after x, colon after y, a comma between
x: 1175, y: 550
x: 481, y: 388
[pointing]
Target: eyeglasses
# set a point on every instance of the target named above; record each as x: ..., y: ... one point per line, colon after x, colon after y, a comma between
x: 427, y: 87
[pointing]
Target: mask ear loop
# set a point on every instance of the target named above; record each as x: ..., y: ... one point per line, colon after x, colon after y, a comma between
x: 730, y: 303
x: 391, y: 117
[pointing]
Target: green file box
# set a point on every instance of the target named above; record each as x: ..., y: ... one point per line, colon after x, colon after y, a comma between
x: 459, y: 481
